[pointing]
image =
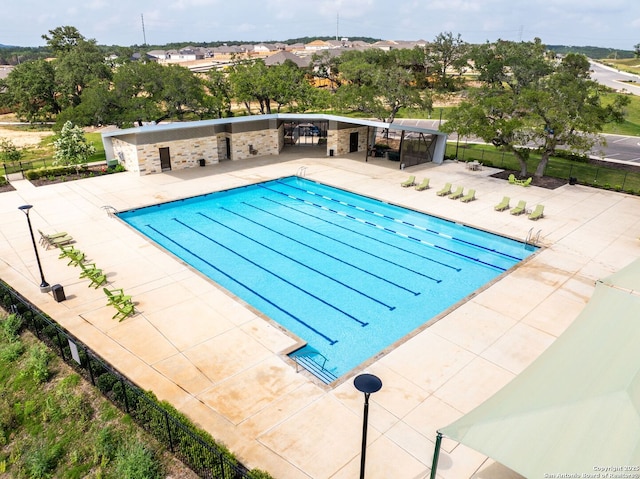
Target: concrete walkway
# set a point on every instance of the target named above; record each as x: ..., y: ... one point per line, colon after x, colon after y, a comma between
x: 222, y: 363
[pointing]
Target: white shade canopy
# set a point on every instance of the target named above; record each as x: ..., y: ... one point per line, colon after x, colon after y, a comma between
x: 577, y: 407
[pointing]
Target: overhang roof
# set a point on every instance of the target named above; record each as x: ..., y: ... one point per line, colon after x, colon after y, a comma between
x: 275, y: 116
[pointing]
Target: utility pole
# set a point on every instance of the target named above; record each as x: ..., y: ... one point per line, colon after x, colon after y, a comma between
x: 144, y: 35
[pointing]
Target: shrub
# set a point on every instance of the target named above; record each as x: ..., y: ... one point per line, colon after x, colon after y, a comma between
x: 135, y: 461
x: 105, y: 445
x: 38, y: 363
x: 105, y: 382
x: 11, y: 327
x: 10, y: 352
x: 52, y: 172
x: 41, y: 459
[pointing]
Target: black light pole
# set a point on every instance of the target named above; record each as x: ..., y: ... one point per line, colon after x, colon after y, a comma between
x: 44, y: 286
x: 367, y: 384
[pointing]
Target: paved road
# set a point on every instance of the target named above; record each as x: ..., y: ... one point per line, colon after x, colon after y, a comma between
x: 620, y: 81
x: 622, y: 148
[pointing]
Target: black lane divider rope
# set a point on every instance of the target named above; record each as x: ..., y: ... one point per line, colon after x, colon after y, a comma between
x: 371, y: 298
x: 398, y: 220
x: 380, y: 258
x: 360, y: 220
x: 284, y: 280
x: 373, y: 238
x: 282, y: 310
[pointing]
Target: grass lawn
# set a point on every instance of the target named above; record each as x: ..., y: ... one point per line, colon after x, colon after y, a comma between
x: 593, y: 174
x: 55, y: 424
x: 631, y: 125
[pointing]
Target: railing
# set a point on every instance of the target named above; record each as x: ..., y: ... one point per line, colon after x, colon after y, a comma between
x: 22, y: 166
x: 531, y: 239
x: 194, y: 448
x: 306, y: 361
x: 302, y: 171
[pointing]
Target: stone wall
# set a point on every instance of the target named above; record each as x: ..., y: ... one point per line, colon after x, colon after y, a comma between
x: 341, y: 138
x: 262, y: 142
x: 126, y: 153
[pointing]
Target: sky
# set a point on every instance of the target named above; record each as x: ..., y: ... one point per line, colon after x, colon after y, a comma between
x: 602, y: 23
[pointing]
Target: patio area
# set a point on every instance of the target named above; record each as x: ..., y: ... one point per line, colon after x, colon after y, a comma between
x: 222, y: 363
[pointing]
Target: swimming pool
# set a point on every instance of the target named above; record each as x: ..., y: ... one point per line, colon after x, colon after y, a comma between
x: 349, y: 274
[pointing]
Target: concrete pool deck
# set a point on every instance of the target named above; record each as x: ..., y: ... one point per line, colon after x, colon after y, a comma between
x: 221, y: 363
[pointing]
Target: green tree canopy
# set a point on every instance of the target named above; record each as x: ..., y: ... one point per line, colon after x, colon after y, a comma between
x: 529, y: 100
x: 30, y: 90
x: 446, y: 56
x: 379, y: 83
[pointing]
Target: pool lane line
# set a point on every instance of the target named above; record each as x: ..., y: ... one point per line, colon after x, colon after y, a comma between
x: 372, y: 238
x: 394, y: 219
x: 267, y: 300
x: 404, y: 235
x: 284, y: 280
x: 380, y: 258
x: 371, y: 298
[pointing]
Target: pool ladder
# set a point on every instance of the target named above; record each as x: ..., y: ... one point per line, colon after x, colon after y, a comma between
x: 302, y: 171
x: 530, y: 239
x: 111, y: 211
x: 307, y: 361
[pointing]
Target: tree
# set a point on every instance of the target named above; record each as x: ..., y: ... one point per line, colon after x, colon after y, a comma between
x: 444, y: 54
x: 218, y: 93
x: 379, y: 83
x: 636, y: 50
x: 71, y: 147
x: 63, y: 39
x: 530, y: 101
x: 30, y: 90
x: 77, y: 67
x: 249, y: 81
x: 9, y: 152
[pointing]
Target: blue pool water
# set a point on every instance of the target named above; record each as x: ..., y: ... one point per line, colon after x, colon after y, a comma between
x: 349, y: 274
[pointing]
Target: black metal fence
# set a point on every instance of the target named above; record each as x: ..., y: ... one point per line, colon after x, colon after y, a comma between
x: 193, y: 447
x: 22, y: 166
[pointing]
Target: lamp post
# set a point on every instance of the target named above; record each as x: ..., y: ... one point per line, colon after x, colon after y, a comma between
x: 44, y: 286
x: 367, y: 384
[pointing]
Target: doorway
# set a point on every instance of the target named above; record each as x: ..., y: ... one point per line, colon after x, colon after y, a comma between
x: 228, y: 146
x: 353, y: 142
x: 165, y: 159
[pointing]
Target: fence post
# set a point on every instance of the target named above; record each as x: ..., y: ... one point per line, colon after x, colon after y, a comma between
x: 166, y: 421
x: 60, y: 345
x: 86, y: 354
x: 124, y: 393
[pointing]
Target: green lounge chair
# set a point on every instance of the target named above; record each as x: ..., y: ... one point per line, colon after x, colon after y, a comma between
x: 537, y: 213
x: 519, y: 209
x: 44, y: 238
x: 503, y: 205
x: 123, y: 310
x: 116, y: 296
x: 457, y: 194
x: 512, y: 179
x: 470, y: 196
x: 410, y: 182
x: 527, y: 182
x: 95, y: 275
x: 424, y: 185
x: 55, y: 240
x: 446, y: 189
x: 74, y: 256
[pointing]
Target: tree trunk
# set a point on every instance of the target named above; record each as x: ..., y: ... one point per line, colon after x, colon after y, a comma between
x: 522, y: 161
x: 542, y: 166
